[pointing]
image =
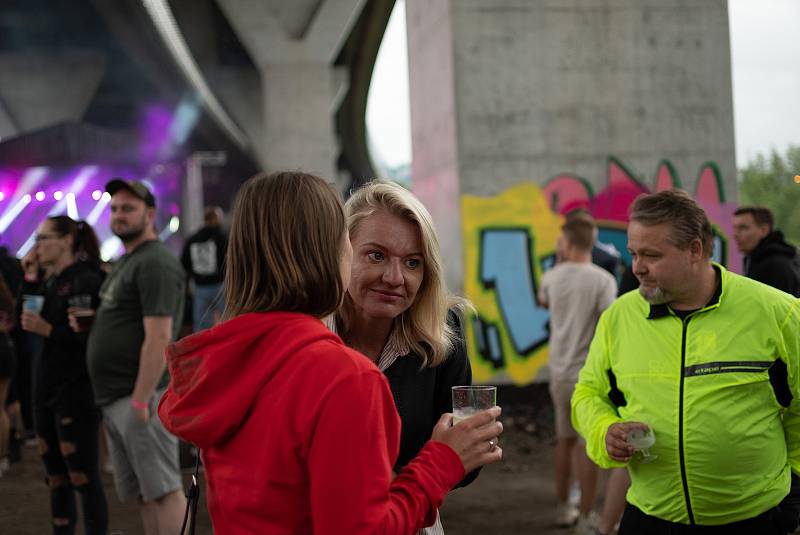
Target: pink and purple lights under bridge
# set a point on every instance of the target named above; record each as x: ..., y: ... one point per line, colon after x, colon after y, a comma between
x: 28, y: 195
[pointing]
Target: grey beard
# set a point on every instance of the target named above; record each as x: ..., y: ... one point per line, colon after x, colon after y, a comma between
x: 658, y: 296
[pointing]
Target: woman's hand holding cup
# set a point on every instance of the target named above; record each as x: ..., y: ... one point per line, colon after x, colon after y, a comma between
x: 474, y: 439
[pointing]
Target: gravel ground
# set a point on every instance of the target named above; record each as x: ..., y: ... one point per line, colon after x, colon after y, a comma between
x: 509, y: 498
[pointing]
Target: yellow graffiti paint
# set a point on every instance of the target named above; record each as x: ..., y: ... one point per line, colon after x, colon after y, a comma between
x: 521, y: 206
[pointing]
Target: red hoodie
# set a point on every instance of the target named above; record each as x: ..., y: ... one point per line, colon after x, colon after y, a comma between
x: 298, y: 432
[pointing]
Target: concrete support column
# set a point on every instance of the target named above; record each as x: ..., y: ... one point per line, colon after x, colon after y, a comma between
x: 298, y: 106
x: 510, y: 91
x: 524, y: 109
x: 294, y: 45
x: 434, y: 125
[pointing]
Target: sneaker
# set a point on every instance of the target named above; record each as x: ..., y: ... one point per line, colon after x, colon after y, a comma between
x: 566, y: 515
x: 574, y: 498
x: 586, y: 525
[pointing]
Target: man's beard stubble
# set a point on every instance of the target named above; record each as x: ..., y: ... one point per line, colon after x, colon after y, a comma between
x: 656, y: 296
x: 130, y: 235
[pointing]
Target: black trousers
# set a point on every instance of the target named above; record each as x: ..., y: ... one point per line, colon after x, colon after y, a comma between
x: 635, y: 522
x: 68, y: 440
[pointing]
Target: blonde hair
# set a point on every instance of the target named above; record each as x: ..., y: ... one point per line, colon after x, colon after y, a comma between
x: 285, y: 246
x: 423, y: 327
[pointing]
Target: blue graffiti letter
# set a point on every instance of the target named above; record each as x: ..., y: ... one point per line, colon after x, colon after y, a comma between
x: 506, y: 266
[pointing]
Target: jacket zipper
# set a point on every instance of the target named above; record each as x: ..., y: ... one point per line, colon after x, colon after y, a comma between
x: 680, y: 426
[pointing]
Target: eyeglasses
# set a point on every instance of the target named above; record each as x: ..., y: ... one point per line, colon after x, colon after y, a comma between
x: 42, y: 237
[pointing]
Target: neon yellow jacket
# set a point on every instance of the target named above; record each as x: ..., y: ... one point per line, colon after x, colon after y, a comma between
x: 724, y: 441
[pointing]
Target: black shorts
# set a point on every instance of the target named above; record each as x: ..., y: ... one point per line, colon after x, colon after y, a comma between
x: 635, y: 522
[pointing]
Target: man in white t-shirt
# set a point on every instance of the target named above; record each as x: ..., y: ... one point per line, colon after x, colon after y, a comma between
x: 576, y: 292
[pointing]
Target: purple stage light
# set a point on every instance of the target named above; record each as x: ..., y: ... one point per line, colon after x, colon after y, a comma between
x: 155, y: 131
x: 82, y: 196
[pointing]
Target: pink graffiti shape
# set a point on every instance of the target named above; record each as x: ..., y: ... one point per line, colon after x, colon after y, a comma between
x: 708, y: 186
x: 612, y: 203
x: 565, y: 193
x: 664, y: 178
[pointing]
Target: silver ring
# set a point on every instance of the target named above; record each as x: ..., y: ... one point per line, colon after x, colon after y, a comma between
x: 492, y: 445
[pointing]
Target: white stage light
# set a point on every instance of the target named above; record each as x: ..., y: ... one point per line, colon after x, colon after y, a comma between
x: 110, y: 248
x: 13, y: 212
x: 72, y: 206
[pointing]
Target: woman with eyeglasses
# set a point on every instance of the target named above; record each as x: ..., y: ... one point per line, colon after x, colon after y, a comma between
x: 66, y: 419
x: 298, y: 432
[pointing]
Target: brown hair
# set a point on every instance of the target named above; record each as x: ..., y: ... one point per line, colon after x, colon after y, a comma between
x: 579, y: 231
x: 761, y: 215
x: 686, y: 219
x: 85, y: 244
x: 423, y: 327
x: 285, y: 246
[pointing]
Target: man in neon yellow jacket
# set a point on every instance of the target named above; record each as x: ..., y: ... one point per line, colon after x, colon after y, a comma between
x: 710, y: 361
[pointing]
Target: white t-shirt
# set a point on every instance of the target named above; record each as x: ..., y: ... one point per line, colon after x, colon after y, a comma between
x: 576, y: 294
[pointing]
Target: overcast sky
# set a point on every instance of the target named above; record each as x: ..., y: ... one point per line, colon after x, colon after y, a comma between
x: 765, y: 51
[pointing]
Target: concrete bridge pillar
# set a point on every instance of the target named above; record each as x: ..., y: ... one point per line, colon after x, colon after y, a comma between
x: 506, y: 91
x: 294, y: 45
x: 522, y: 110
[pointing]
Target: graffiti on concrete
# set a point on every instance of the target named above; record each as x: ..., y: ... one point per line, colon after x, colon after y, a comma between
x: 509, y: 242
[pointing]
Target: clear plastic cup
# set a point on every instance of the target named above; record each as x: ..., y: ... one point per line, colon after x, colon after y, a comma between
x: 33, y: 303
x: 642, y: 440
x: 469, y: 400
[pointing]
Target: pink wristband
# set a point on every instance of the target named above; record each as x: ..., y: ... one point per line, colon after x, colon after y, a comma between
x: 139, y: 404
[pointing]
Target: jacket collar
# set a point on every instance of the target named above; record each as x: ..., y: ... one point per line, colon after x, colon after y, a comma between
x: 663, y: 310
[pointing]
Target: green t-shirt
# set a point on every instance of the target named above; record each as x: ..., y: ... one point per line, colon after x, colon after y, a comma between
x: 147, y: 282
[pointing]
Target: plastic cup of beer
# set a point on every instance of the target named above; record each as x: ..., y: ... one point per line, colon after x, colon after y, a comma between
x: 33, y: 303
x: 470, y: 400
x: 80, y: 308
x: 83, y: 301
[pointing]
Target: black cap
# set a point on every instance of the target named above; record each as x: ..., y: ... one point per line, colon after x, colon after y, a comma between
x: 134, y: 186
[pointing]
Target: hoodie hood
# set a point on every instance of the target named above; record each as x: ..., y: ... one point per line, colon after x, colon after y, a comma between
x: 217, y: 375
x: 773, y: 244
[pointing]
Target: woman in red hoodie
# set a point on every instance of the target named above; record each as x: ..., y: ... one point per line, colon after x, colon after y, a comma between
x: 298, y: 432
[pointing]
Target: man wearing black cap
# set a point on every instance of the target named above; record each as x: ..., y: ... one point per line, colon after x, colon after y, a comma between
x: 140, y: 312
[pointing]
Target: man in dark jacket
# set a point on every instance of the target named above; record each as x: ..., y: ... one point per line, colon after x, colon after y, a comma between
x: 202, y: 258
x: 768, y: 257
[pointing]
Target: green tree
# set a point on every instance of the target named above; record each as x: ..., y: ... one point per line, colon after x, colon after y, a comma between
x: 769, y: 181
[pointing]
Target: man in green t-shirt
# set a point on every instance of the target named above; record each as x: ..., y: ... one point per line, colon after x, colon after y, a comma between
x: 139, y: 314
